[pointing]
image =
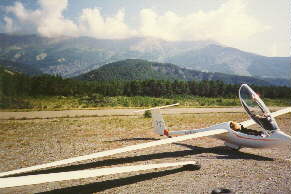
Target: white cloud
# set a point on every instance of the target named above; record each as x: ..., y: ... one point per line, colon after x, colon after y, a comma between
x: 8, y: 25
x: 93, y: 24
x: 274, y: 50
x: 53, y: 7
x: 22, y: 14
x: 52, y: 22
x: 47, y: 21
x: 229, y: 24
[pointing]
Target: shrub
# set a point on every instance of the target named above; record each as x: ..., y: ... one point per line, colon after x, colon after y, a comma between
x: 147, y: 114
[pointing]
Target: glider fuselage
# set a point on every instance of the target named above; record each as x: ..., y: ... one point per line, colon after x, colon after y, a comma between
x: 237, y: 139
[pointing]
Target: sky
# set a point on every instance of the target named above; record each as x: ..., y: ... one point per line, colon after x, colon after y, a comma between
x: 258, y: 26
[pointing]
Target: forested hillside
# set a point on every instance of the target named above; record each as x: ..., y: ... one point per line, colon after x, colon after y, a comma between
x: 20, y: 67
x: 136, y: 69
x: 16, y: 84
x: 47, y: 92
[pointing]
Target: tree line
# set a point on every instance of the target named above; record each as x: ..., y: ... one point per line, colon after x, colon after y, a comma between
x: 16, y: 85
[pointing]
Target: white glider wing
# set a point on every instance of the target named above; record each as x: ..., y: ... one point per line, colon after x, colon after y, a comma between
x: 116, y: 151
x: 79, y: 174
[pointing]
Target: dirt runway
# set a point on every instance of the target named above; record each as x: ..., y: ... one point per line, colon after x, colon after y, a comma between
x: 112, y: 112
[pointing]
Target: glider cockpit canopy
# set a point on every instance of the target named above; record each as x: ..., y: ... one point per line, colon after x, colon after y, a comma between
x: 256, y: 108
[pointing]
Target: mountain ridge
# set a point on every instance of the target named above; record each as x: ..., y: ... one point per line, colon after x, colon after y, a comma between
x: 20, y: 67
x: 137, y: 69
x: 70, y: 57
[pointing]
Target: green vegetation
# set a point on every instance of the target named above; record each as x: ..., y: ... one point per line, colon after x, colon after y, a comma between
x: 129, y: 70
x: 136, y: 69
x: 98, y: 101
x: 46, y: 92
x: 147, y: 114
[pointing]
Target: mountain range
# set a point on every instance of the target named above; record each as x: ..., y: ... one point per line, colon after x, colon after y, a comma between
x: 71, y: 57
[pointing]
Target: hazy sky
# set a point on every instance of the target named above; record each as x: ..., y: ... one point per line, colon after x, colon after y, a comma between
x: 259, y: 26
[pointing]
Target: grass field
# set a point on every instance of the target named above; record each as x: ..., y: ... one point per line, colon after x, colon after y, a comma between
x: 97, y: 101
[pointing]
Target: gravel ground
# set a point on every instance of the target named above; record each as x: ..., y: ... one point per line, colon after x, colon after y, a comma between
x: 111, y: 112
x: 37, y: 141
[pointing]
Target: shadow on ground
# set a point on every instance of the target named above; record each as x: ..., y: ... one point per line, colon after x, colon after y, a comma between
x: 224, y: 152
x: 109, y: 184
x: 134, y: 139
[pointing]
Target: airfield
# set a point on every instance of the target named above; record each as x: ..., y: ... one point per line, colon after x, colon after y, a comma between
x: 28, y: 140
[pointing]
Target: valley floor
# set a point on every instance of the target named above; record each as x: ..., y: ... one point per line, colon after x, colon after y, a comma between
x: 36, y: 141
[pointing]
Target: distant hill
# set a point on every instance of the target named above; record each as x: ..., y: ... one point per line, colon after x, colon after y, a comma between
x: 20, y: 67
x: 71, y: 57
x: 216, y: 58
x: 135, y: 69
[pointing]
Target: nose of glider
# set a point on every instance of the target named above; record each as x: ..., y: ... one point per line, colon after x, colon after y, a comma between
x: 282, y: 136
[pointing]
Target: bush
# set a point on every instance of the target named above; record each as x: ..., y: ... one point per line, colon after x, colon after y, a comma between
x: 147, y: 114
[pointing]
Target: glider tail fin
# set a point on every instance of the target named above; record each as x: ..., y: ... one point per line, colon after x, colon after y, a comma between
x: 158, y: 122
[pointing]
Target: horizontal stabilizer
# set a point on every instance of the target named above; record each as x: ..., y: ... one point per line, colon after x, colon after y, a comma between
x: 80, y: 174
x: 158, y: 107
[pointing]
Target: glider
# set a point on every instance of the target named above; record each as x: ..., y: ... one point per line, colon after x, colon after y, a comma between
x: 235, y: 135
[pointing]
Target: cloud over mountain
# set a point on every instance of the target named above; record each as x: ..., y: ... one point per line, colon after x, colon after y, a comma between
x: 93, y: 24
x: 228, y: 24
x: 48, y: 20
